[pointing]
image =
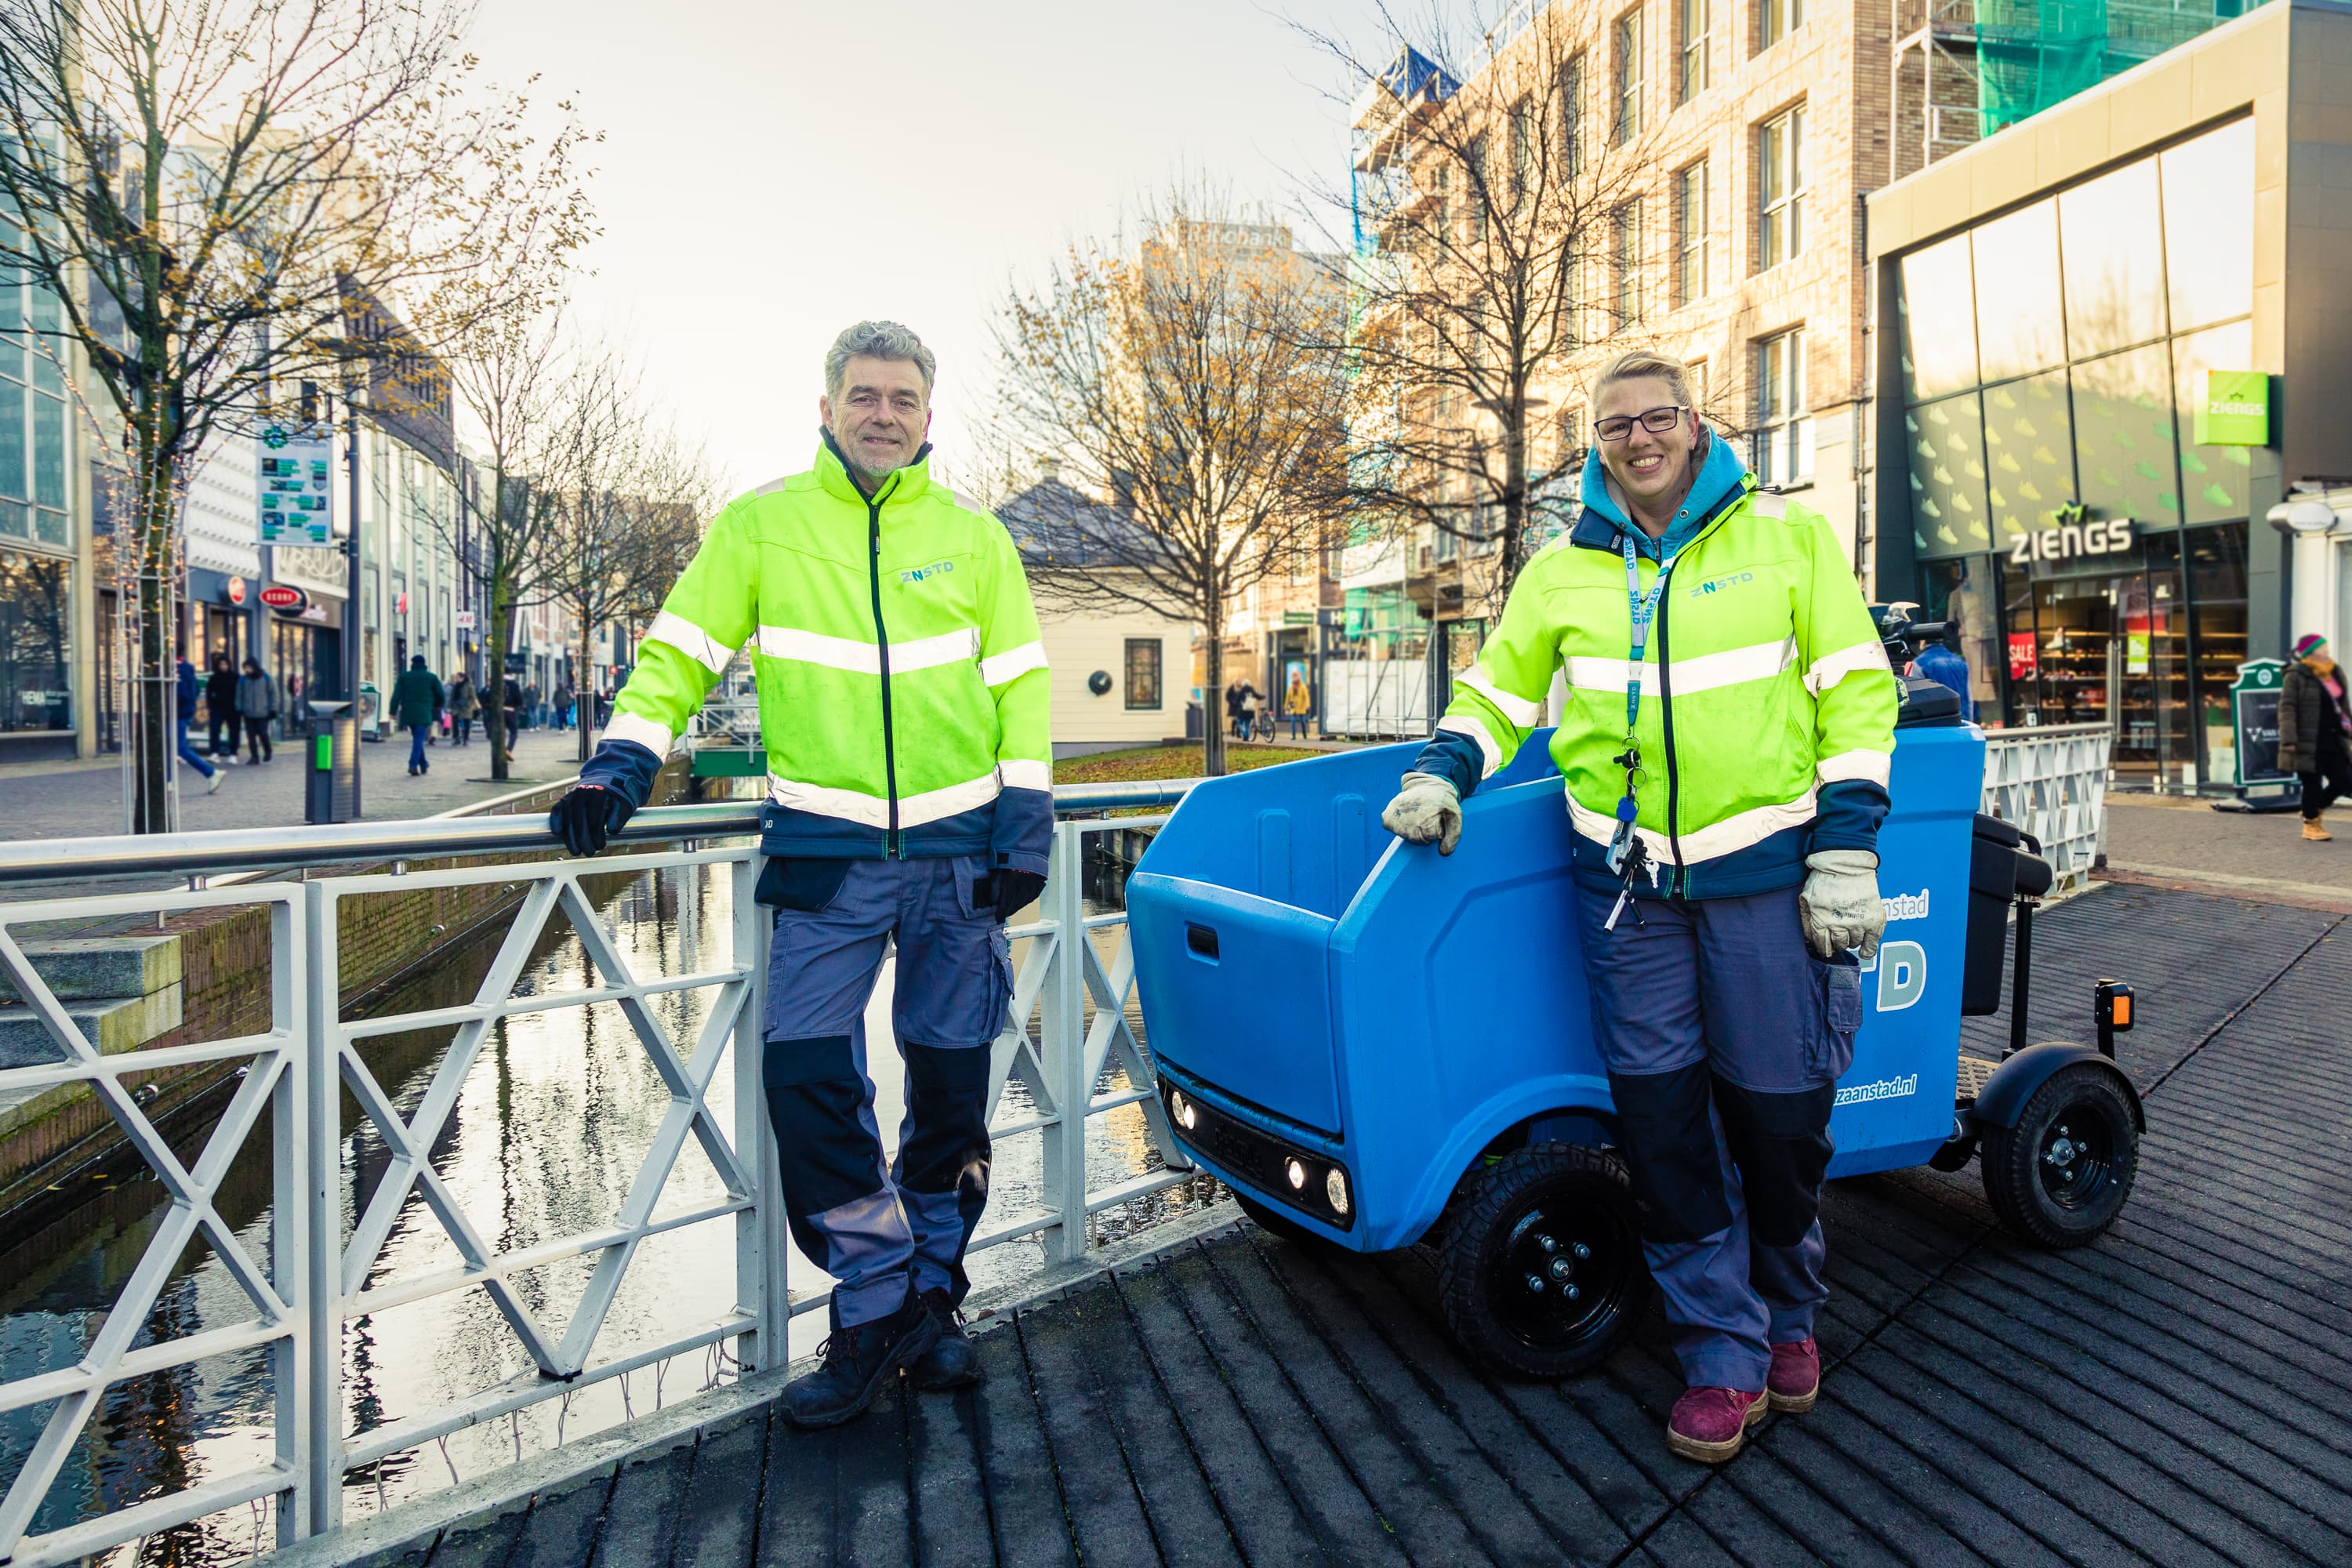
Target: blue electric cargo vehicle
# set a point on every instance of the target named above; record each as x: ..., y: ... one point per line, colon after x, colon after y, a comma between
x: 1379, y: 1046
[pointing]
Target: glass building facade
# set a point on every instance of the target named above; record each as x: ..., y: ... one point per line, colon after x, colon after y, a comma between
x: 36, y: 572
x: 2060, y: 508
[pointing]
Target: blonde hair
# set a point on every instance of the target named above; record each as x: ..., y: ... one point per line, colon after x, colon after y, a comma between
x: 1645, y: 364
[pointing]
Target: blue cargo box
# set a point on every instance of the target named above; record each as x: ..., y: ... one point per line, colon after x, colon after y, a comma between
x: 1396, y: 1011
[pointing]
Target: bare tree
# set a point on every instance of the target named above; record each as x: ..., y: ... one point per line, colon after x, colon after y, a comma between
x: 1496, y: 208
x: 199, y: 191
x: 1182, y: 380
x: 627, y: 516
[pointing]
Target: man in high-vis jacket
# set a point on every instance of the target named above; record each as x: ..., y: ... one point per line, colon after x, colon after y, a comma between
x: 903, y: 705
x: 1729, y: 725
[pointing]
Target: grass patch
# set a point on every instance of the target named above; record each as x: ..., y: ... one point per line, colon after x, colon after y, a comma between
x: 1166, y: 762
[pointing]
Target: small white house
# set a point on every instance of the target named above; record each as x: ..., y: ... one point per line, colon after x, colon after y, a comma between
x: 1121, y: 672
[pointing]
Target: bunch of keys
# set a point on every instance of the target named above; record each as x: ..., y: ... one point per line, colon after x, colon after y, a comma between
x: 1629, y: 857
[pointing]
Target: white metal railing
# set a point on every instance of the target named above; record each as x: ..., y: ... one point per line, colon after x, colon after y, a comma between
x: 311, y: 1282
x: 2052, y: 781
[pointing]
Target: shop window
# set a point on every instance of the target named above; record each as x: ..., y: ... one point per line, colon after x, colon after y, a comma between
x: 1965, y: 594
x: 1628, y: 38
x: 1784, y: 428
x: 1695, y: 29
x: 1939, y: 332
x: 1142, y: 674
x: 1780, y: 188
x: 2217, y: 608
x: 2208, y: 227
x: 1776, y: 19
x: 36, y: 644
x: 2214, y: 480
x: 2124, y: 436
x: 1691, y: 269
x: 2115, y: 261
x: 2028, y: 448
x: 2019, y: 321
x: 1949, y: 510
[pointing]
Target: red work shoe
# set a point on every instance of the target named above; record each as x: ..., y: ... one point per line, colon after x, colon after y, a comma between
x: 1796, y: 1376
x: 1709, y: 1424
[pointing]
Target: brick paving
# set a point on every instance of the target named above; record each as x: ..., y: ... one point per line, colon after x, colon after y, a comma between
x: 2178, y: 842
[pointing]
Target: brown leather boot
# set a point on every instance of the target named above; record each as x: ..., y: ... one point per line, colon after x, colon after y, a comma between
x: 2315, y: 832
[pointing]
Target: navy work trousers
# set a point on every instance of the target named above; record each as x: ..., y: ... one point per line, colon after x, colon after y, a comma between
x: 1724, y: 1038
x: 868, y: 1223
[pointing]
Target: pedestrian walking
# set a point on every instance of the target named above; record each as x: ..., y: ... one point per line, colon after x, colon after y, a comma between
x: 2313, y: 727
x: 186, y: 707
x: 510, y: 703
x: 531, y: 716
x: 603, y: 709
x: 464, y: 707
x: 1297, y: 702
x: 563, y: 706
x: 878, y: 825
x: 220, y: 706
x: 257, y: 704
x: 1239, y: 695
x: 417, y: 700
x: 1722, y: 892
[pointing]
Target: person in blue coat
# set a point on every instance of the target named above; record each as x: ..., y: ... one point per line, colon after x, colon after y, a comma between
x: 1941, y: 663
x: 187, y: 707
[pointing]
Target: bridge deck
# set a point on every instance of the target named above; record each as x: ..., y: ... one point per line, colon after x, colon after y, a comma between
x: 2179, y: 1393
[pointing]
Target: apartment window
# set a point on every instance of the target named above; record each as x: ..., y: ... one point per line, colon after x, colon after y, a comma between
x: 1573, y: 439
x: 1626, y: 240
x: 1142, y: 674
x: 1523, y: 151
x: 1691, y: 272
x: 1784, y: 431
x: 1571, y: 117
x: 1780, y: 188
x: 1695, y: 41
x: 1776, y: 19
x: 1629, y: 76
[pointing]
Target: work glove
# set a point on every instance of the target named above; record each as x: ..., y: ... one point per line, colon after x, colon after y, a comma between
x: 1839, y: 906
x: 1016, y: 891
x: 587, y: 817
x: 1427, y: 811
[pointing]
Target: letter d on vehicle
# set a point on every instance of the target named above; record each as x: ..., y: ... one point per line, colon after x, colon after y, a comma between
x: 1902, y: 974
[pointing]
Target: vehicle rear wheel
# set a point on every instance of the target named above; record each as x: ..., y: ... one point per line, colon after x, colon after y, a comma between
x: 2061, y: 1176
x: 1274, y: 1222
x: 1541, y: 1273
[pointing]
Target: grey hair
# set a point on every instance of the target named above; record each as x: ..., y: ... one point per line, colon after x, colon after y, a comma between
x: 876, y: 340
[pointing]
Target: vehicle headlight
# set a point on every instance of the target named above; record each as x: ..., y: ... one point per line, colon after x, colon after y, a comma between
x: 1334, y: 1187
x: 1186, y: 1116
x: 1296, y: 1172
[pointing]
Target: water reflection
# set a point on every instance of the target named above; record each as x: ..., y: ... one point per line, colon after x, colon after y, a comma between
x: 544, y: 1137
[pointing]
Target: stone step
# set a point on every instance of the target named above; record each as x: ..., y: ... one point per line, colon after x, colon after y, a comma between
x: 100, y: 968
x: 115, y: 1024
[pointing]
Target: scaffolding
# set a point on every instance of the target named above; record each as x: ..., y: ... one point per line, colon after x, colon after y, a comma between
x: 1964, y: 69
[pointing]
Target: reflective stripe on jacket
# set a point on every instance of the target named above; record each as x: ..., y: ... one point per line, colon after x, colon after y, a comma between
x: 902, y: 680
x: 1768, y: 709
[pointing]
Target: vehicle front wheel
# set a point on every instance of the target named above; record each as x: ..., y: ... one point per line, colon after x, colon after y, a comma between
x: 2061, y: 1176
x: 1541, y: 1272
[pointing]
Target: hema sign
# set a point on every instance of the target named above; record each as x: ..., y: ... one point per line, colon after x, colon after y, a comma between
x: 2233, y: 409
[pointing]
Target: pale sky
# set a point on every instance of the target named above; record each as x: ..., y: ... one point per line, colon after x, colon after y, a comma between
x: 773, y: 172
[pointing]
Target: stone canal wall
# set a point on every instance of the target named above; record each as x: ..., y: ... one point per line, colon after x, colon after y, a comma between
x: 206, y: 977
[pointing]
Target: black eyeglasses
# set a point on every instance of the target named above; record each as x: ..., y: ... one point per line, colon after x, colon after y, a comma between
x: 1656, y: 421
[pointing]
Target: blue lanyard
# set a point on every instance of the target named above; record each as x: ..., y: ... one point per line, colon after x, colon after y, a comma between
x: 1644, y: 607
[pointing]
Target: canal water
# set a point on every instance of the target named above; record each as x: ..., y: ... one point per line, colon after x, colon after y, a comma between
x: 555, y: 1119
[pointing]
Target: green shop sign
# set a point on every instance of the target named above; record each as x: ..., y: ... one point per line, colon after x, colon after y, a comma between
x: 2233, y: 409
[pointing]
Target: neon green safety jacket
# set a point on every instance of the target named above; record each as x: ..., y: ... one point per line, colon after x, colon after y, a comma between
x: 1767, y: 707
x: 902, y: 682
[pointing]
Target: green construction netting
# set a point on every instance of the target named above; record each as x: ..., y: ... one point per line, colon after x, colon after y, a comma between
x: 2032, y: 54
